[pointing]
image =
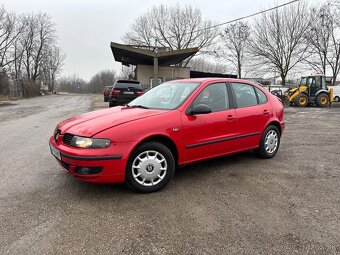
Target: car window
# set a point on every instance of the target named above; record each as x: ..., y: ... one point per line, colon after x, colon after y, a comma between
x: 244, y: 94
x: 262, y: 97
x: 123, y: 85
x: 214, y: 95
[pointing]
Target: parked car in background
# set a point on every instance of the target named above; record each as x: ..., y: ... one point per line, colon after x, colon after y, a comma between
x: 336, y: 93
x: 124, y: 91
x: 106, y: 92
x: 144, y: 141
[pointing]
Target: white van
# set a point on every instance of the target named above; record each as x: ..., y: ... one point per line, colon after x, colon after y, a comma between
x: 336, y: 91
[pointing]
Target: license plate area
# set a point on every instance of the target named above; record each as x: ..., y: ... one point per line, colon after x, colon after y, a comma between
x: 129, y: 92
x: 55, y: 152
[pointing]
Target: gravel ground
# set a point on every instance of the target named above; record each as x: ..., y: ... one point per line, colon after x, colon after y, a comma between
x: 233, y: 205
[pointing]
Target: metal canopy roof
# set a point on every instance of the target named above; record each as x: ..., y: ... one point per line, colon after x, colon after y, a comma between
x: 198, y: 74
x: 127, y: 54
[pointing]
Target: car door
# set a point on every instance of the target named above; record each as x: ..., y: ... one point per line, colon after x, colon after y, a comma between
x: 212, y: 134
x: 252, y: 112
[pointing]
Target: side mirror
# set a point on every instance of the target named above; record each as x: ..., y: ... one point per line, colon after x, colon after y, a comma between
x: 200, y: 109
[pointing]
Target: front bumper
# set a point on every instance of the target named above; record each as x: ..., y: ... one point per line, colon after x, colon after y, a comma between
x: 112, y: 166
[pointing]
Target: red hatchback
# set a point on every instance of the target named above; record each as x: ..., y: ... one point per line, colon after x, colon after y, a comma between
x: 106, y: 92
x: 174, y: 124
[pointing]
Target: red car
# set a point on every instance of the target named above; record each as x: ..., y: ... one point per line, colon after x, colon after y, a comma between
x: 106, y: 92
x: 174, y: 124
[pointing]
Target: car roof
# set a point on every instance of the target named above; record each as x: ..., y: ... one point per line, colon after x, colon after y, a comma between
x: 207, y: 79
x: 128, y: 81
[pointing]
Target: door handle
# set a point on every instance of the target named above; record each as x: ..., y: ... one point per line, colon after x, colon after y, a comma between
x: 230, y: 117
x: 265, y: 112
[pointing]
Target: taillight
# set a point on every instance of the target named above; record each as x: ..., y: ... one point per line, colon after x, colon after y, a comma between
x: 115, y: 92
x: 140, y: 93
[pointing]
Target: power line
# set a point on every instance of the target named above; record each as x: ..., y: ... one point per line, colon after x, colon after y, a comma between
x: 244, y: 17
x: 251, y: 15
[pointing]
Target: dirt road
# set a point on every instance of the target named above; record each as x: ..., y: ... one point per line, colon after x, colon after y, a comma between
x: 232, y: 205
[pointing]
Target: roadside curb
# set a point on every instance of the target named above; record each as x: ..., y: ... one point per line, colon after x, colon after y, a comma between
x: 6, y: 103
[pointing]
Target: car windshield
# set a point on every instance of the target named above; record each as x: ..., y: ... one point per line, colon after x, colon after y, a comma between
x: 168, y: 96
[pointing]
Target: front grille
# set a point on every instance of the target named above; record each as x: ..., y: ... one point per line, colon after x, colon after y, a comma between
x: 67, y: 138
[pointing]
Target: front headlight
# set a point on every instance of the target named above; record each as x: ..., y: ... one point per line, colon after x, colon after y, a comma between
x: 85, y: 142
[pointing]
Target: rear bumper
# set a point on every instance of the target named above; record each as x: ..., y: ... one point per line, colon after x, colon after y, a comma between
x: 121, y: 101
x: 112, y: 166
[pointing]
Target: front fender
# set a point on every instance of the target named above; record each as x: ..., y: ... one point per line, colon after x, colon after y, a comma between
x: 322, y: 91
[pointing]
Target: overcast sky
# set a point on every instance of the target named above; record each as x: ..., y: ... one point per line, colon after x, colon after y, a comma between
x: 86, y: 27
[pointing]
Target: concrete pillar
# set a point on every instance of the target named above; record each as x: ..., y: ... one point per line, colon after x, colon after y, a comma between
x: 155, y: 71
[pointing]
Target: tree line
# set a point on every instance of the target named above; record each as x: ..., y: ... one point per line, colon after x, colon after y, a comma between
x: 29, y: 51
x: 96, y: 84
x: 295, y: 38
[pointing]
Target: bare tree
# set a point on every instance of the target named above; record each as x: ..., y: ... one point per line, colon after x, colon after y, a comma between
x: 72, y: 84
x: 235, y: 39
x: 28, y: 49
x: 318, y: 38
x: 38, y: 36
x: 324, y: 40
x: 172, y: 27
x: 52, y: 63
x: 127, y: 72
x: 203, y: 65
x: 278, y: 40
x: 9, y: 32
x: 18, y: 54
x: 333, y: 56
x: 100, y: 80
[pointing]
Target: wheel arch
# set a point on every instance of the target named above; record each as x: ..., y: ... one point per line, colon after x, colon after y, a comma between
x: 321, y: 91
x: 303, y: 92
x: 163, y: 139
x: 276, y: 124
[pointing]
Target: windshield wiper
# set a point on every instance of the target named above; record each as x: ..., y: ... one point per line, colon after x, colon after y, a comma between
x: 138, y: 106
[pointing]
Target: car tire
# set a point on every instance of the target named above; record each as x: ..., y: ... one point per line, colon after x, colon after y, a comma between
x: 150, y: 167
x: 301, y: 100
x: 270, y: 142
x: 336, y: 99
x: 322, y: 100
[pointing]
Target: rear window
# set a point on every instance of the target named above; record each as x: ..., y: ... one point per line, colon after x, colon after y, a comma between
x: 123, y: 85
x: 262, y: 97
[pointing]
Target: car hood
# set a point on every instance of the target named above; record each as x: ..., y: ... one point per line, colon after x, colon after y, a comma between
x: 91, y: 123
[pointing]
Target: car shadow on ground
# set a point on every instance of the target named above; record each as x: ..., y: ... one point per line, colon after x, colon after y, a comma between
x: 227, y: 165
x: 230, y: 165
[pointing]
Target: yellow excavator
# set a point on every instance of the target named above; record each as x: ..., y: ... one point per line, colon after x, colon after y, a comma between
x: 312, y: 90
